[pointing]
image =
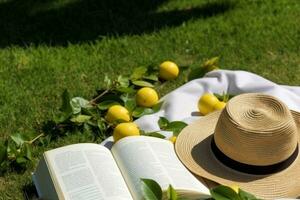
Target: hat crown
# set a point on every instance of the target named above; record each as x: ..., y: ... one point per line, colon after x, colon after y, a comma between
x: 256, y: 129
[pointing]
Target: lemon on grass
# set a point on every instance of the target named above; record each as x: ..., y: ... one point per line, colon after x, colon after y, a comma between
x: 117, y: 112
x: 146, y: 97
x: 125, y: 129
x: 206, y: 103
x: 168, y: 70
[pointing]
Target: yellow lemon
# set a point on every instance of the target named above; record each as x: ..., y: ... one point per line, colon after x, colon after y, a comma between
x: 168, y: 70
x: 220, y: 105
x: 173, y: 139
x: 125, y: 129
x: 146, y: 97
x: 117, y: 112
x: 235, y: 188
x: 206, y: 103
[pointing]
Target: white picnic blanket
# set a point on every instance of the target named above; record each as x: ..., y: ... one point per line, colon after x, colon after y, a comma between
x: 181, y: 104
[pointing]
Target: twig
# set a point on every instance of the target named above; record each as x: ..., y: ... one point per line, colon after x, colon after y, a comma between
x: 93, y: 101
x: 34, y: 139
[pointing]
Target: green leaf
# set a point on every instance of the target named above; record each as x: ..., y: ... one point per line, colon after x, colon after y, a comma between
x: 125, y: 98
x: 138, y: 73
x: 151, y: 190
x: 211, y: 62
x: 3, y: 151
x: 92, y: 123
x: 157, y: 107
x: 128, y: 90
x: 130, y: 104
x: 138, y: 112
x: 225, y: 97
x: 21, y: 160
x: 77, y: 103
x: 142, y: 83
x: 155, y: 134
x: 104, y: 105
x: 93, y: 111
x: 141, y: 111
x: 101, y: 125
x: 87, y: 129
x: 195, y: 73
x: 62, y: 117
x: 151, y: 77
x: 153, y: 68
x: 107, y: 81
x: 123, y: 81
x: 80, y: 118
x: 171, y: 193
x: 27, y: 151
x: 163, y: 123
x: 219, y: 96
x: 66, y: 107
x: 175, y: 127
x: 224, y: 193
x: 245, y: 195
x: 11, y: 149
x: 18, y: 138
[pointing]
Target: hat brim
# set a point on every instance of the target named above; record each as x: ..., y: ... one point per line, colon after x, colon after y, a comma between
x: 193, y: 147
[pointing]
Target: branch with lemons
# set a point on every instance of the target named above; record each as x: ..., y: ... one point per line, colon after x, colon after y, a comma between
x: 110, y: 112
x: 115, y: 107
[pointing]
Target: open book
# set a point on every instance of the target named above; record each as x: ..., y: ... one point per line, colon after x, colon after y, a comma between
x: 91, y: 171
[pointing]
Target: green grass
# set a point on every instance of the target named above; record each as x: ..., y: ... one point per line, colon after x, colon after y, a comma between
x: 47, y: 47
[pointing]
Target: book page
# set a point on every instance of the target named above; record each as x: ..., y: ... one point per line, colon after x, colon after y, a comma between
x: 153, y: 158
x: 87, y: 172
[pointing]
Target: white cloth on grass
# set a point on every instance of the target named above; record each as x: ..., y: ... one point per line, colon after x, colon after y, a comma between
x: 181, y: 103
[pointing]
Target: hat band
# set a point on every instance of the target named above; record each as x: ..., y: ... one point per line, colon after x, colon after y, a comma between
x: 252, y: 169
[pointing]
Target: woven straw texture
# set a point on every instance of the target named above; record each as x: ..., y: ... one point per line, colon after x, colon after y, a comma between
x: 254, y: 129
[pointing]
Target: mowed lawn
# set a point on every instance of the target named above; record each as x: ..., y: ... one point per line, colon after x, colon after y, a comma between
x: 71, y: 44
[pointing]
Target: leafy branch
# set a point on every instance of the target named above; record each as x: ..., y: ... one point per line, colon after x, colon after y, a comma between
x: 88, y: 117
x: 85, y: 116
x: 151, y: 190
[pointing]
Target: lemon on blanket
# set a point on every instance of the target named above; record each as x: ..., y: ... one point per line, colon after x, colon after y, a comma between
x: 146, y: 97
x: 168, y: 70
x: 117, y: 112
x: 206, y: 103
x: 125, y: 129
x: 173, y: 139
x: 219, y: 105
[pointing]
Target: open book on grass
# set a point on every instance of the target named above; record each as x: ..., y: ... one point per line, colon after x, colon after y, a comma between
x: 90, y: 171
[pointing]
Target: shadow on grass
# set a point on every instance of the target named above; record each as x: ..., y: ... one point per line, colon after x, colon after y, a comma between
x: 24, y: 22
x: 29, y: 192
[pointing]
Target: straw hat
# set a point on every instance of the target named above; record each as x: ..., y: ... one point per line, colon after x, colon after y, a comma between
x: 252, y: 143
